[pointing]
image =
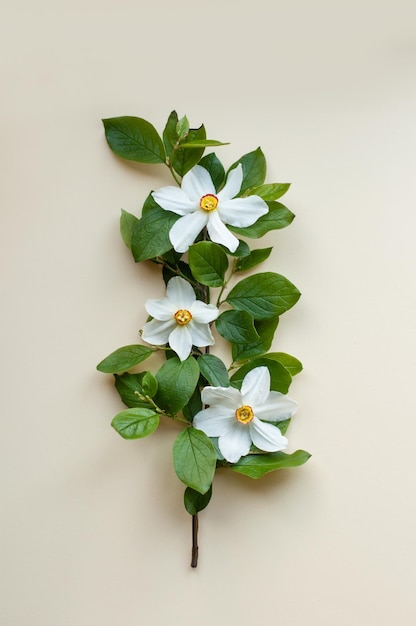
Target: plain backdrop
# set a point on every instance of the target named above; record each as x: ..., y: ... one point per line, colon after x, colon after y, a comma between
x: 94, y: 532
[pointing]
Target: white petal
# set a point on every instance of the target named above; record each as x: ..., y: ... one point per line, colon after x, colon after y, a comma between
x: 184, y: 232
x: 201, y: 334
x: 242, y: 212
x: 180, y: 341
x: 215, y: 421
x: 180, y: 293
x: 235, y: 443
x: 266, y: 436
x: 204, y: 313
x: 175, y: 200
x: 157, y: 333
x: 256, y: 386
x: 197, y: 183
x: 228, y: 397
x: 275, y: 408
x: 162, y: 309
x: 219, y: 232
x: 233, y: 184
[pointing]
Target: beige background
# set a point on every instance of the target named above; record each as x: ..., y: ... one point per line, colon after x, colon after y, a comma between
x: 94, y: 531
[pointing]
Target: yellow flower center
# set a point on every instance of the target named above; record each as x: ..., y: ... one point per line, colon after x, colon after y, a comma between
x: 183, y: 317
x: 244, y: 414
x: 208, y: 202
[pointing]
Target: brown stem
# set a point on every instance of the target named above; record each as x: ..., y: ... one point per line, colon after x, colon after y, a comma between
x: 194, y: 560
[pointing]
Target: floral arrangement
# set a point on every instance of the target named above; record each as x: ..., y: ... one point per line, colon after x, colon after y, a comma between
x: 232, y: 415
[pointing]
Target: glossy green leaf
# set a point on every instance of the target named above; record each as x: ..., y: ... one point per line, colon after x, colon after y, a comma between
x: 134, y: 139
x: 213, y: 370
x: 183, y: 159
x: 149, y: 384
x: 236, y: 327
x: 271, y: 191
x: 264, y: 295
x: 128, y: 223
x: 277, y: 217
x: 124, y: 359
x: 265, y: 330
x: 208, y: 263
x: 194, y: 459
x: 254, y: 258
x: 215, y: 169
x: 182, y: 127
x: 291, y: 363
x: 280, y: 378
x: 135, y: 423
x: 170, y: 133
x: 177, y: 381
x: 129, y: 386
x: 254, y: 169
x: 195, y: 501
x: 151, y: 234
x: 203, y: 143
x: 257, y: 465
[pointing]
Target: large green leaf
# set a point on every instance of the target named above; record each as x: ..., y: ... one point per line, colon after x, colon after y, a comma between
x: 151, y: 234
x: 128, y: 223
x: 280, y: 378
x: 277, y: 217
x: 257, y: 465
x: 264, y: 295
x: 129, y: 386
x: 195, y: 501
x: 134, y: 139
x: 215, y: 169
x: 265, y: 330
x: 254, y: 169
x: 236, y: 327
x: 183, y: 159
x: 254, y: 258
x: 124, y: 359
x: 135, y: 423
x: 194, y: 459
x: 208, y: 263
x: 272, y: 191
x: 176, y: 383
x: 213, y: 370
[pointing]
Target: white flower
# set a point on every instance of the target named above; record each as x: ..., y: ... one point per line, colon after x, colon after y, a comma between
x: 236, y: 417
x: 179, y: 319
x: 200, y: 205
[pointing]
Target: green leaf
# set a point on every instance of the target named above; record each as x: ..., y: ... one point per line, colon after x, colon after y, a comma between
x: 151, y: 234
x: 170, y: 133
x: 264, y: 295
x: 214, y: 168
x: 128, y: 223
x: 254, y: 258
x: 213, y: 370
x: 135, y: 423
x: 129, y: 386
x: 203, y: 143
x: 182, y: 160
x: 236, y: 327
x: 177, y: 381
x: 277, y: 217
x: 291, y: 363
x: 182, y: 127
x: 194, y: 459
x: 280, y: 378
x: 124, y: 359
x: 208, y: 263
x: 242, y: 250
x: 195, y: 501
x: 257, y: 465
x: 271, y: 191
x: 149, y: 384
x: 193, y: 407
x: 254, y: 169
x: 265, y: 330
x: 134, y: 139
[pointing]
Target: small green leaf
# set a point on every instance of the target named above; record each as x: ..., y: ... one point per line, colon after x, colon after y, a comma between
x: 128, y: 223
x: 265, y: 330
x: 264, y: 295
x: 257, y: 465
x: 134, y: 139
x: 214, y: 168
x: 135, y: 423
x: 182, y: 160
x: 277, y: 217
x: 170, y: 134
x: 182, y: 127
x: 124, y: 359
x: 254, y: 258
x: 242, y: 250
x: 271, y: 191
x: 237, y: 327
x: 195, y: 501
x: 194, y: 459
x: 203, y: 143
x: 151, y: 234
x: 208, y: 263
x: 129, y: 386
x: 149, y: 384
x: 254, y: 169
x: 291, y: 363
x: 280, y: 378
x: 213, y: 370
x: 177, y: 381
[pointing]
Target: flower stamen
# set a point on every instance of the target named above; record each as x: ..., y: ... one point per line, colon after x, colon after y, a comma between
x: 209, y: 202
x: 244, y: 414
x: 183, y: 317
